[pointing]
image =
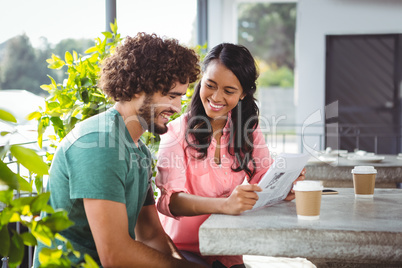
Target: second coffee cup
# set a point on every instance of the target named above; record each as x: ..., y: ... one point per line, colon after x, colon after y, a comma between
x: 364, y: 181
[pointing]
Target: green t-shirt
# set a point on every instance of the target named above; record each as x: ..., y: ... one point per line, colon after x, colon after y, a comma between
x: 98, y: 160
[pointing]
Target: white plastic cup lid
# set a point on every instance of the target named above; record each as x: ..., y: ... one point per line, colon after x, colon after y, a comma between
x: 308, y: 186
x: 364, y: 170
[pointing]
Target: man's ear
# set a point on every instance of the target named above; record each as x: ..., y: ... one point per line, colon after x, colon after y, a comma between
x: 138, y: 95
x: 242, y: 96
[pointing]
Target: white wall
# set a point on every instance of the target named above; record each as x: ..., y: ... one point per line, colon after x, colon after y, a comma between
x: 222, y: 22
x: 318, y: 18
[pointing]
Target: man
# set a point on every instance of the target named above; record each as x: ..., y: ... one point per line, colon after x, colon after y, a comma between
x: 101, y: 171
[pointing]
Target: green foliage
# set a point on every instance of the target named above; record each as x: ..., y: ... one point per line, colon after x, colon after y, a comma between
x: 78, y: 97
x: 276, y: 77
x: 6, y: 116
x: 268, y: 31
x: 26, y: 210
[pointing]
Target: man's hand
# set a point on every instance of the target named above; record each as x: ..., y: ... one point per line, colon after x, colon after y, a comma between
x: 242, y: 198
x: 301, y: 177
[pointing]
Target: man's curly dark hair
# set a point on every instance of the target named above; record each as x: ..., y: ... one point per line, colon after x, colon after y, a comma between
x: 147, y: 63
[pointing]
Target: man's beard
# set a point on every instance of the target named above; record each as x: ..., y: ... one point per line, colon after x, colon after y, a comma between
x: 147, y: 115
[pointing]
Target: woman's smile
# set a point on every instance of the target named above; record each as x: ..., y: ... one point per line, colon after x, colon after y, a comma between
x: 215, y: 107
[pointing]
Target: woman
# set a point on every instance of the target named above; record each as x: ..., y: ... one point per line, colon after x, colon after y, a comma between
x: 209, y: 151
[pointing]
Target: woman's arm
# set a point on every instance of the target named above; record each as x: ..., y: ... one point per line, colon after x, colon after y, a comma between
x: 242, y: 198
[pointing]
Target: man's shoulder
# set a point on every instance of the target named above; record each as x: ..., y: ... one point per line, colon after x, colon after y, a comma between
x: 178, y: 125
x: 91, y: 129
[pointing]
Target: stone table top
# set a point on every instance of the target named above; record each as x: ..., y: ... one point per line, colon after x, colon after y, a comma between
x: 349, y: 230
x: 338, y: 173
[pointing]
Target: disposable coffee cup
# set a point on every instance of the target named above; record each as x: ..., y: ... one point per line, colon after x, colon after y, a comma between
x: 364, y: 181
x: 308, y: 199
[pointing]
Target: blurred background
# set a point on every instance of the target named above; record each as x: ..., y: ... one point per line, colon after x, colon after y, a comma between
x: 330, y: 70
x: 33, y: 30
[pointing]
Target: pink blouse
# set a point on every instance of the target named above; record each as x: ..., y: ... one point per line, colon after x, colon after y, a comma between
x: 178, y: 171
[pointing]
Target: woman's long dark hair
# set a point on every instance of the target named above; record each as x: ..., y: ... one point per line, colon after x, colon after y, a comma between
x: 244, y: 117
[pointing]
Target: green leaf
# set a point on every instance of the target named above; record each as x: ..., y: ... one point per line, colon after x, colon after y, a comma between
x: 58, y: 221
x: 5, y: 216
x: 57, y: 122
x: 65, y: 101
x: 53, y: 81
x: 98, y: 40
x: 28, y: 239
x: 6, y: 116
x: 34, y: 115
x: 52, y: 105
x: 40, y: 203
x: 55, y: 62
x: 84, y: 96
x: 89, y: 262
x: 76, y: 253
x: 98, y: 95
x: 39, y: 184
x: 71, y: 80
x: 23, y: 201
x: 49, y: 255
x: 43, y: 124
x: 24, y: 185
x: 93, y: 59
x: 43, y: 234
x: 91, y: 49
x: 48, y: 209
x: 68, y: 58
x: 75, y: 55
x: 108, y: 35
x: 6, y: 197
x: 47, y: 87
x: 16, y: 253
x: 61, y: 238
x: 29, y: 159
x: 4, y: 133
x: 5, y: 241
x: 85, y: 82
x: 70, y: 125
x: 56, y: 65
x: 103, y: 44
x: 8, y: 177
x: 113, y: 26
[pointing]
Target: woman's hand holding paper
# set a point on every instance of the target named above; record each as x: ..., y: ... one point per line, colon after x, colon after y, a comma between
x: 242, y: 198
x: 301, y: 177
